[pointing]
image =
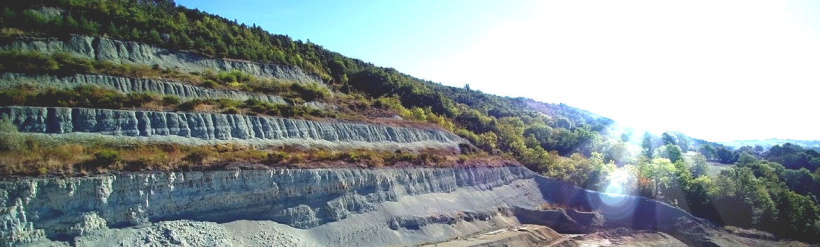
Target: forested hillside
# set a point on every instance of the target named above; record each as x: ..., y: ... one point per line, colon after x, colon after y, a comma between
x: 775, y: 190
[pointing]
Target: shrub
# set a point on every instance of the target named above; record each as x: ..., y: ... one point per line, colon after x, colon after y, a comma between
x: 138, y: 99
x: 198, y: 156
x: 72, y: 65
x: 169, y: 100
x: 9, y: 139
x: 231, y: 110
x: 277, y: 157
x: 106, y: 158
x: 18, y: 61
x: 309, y: 91
x: 209, y: 83
x: 189, y: 105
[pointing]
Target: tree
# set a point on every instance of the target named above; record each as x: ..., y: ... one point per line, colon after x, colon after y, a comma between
x: 700, y: 197
x: 112, y: 30
x: 700, y: 166
x: 669, y: 138
x: 745, y: 159
x: 625, y: 137
x: 646, y: 145
x: 674, y: 151
x: 798, y: 216
x: 669, y: 151
x: 662, y: 180
x: 799, y: 181
x: 707, y: 151
x: 744, y: 200
x: 683, y: 143
x: 725, y: 156
x: 616, y: 151
x: 541, y: 133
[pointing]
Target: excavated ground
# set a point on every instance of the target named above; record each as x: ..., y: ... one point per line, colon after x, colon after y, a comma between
x: 319, y: 207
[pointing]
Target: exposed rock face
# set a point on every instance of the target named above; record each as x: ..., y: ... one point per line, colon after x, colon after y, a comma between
x: 566, y: 221
x: 403, y: 206
x: 133, y: 52
x: 63, y: 208
x: 128, y: 85
x: 205, y: 128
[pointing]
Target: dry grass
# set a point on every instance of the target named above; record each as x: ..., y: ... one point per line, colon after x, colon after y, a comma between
x: 30, y: 156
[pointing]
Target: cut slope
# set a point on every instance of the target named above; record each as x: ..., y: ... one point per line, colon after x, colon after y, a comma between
x: 139, y: 53
x: 334, y: 207
x: 206, y: 128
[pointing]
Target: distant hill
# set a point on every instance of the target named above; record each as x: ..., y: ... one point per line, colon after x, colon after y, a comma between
x: 768, y: 143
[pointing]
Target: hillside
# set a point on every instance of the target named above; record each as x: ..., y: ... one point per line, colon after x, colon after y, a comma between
x: 768, y: 143
x: 123, y: 119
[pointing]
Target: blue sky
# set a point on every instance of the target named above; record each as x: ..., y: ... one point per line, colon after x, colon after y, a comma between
x: 718, y: 70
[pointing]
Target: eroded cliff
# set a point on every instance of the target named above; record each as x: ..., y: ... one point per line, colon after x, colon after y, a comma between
x: 65, y: 208
x: 208, y: 128
x: 116, y: 51
x: 333, y: 207
x: 129, y: 85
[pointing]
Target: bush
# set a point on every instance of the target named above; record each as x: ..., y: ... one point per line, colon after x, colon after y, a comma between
x: 277, y: 157
x: 106, y: 158
x: 189, y: 105
x: 231, y: 110
x: 198, y: 156
x: 9, y: 139
x: 138, y: 99
x: 309, y: 91
x: 17, y: 61
x: 169, y: 100
x: 72, y: 65
x: 209, y: 83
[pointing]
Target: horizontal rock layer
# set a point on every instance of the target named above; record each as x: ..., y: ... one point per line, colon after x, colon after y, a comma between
x: 133, y: 52
x: 129, y: 85
x: 221, y: 127
x: 405, y: 206
x: 61, y: 208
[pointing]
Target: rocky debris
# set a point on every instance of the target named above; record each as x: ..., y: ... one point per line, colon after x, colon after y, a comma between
x: 125, y: 52
x: 204, y: 128
x: 129, y: 85
x: 416, y: 223
x: 524, y: 236
x: 749, y: 233
x: 562, y: 220
x: 14, y: 224
x: 266, y: 233
x: 627, y: 237
x: 166, y: 233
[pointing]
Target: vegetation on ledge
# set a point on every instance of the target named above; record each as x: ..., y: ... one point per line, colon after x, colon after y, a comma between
x: 36, y: 155
x: 65, y: 64
x: 95, y: 97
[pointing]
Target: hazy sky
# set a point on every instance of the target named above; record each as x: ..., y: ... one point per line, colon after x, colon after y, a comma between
x: 718, y: 70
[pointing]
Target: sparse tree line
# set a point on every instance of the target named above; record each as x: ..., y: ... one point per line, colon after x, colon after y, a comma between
x: 752, y: 189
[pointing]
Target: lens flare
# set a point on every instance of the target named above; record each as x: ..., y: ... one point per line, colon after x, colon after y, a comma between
x: 613, y: 194
x: 615, y: 202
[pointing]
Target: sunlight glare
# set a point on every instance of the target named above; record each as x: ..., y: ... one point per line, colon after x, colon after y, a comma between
x: 615, y: 196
